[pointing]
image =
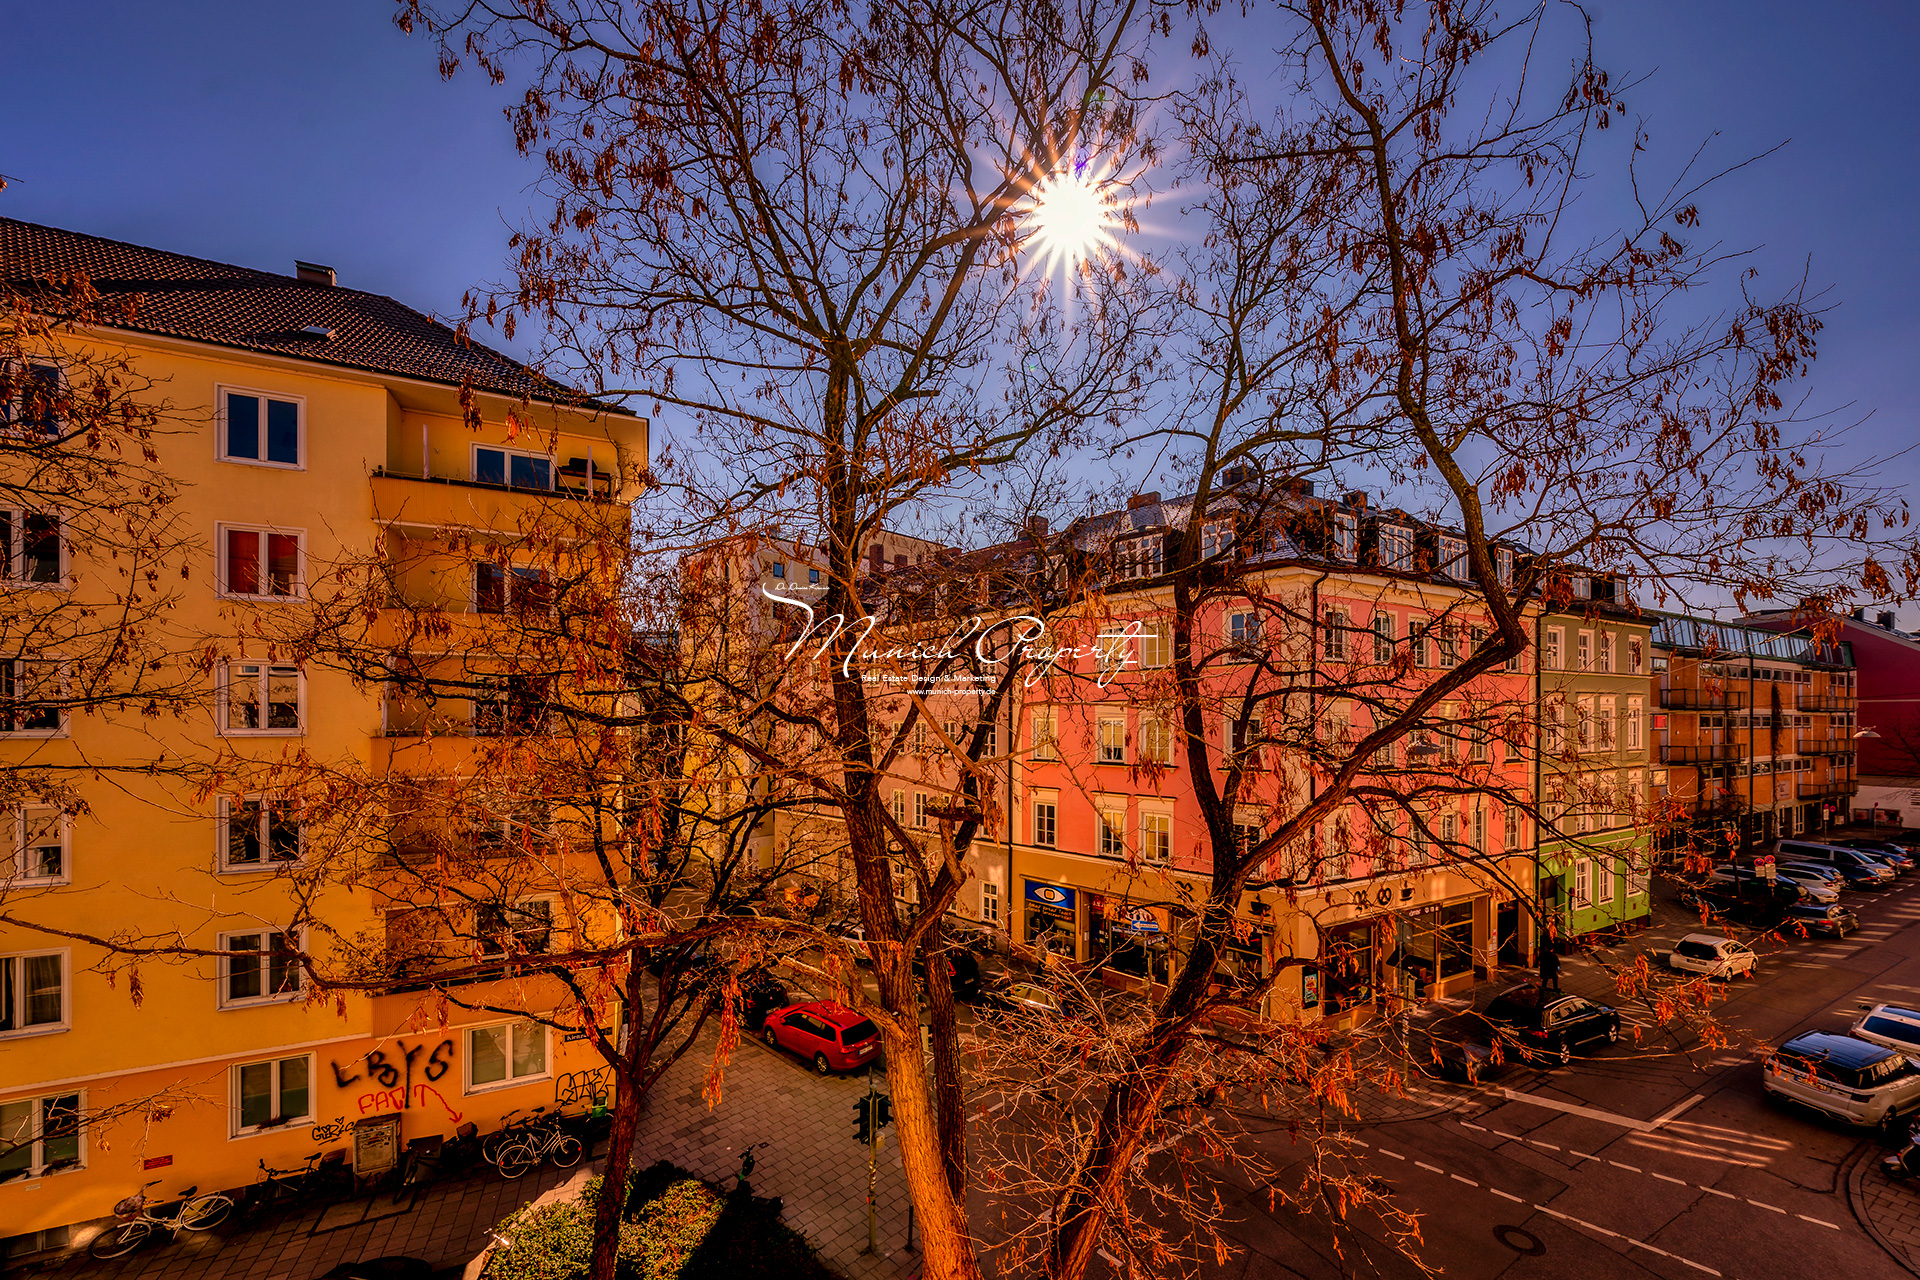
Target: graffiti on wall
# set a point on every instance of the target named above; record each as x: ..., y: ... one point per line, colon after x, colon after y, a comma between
x: 595, y: 1087
x: 392, y: 1071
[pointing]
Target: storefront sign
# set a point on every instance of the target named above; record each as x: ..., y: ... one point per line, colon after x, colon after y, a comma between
x: 1050, y: 899
x: 156, y: 1162
x: 1139, y: 920
x: 1309, y: 989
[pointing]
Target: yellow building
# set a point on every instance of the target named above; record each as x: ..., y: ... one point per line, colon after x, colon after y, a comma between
x: 316, y: 424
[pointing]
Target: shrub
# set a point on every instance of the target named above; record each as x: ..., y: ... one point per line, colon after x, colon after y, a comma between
x: 676, y: 1228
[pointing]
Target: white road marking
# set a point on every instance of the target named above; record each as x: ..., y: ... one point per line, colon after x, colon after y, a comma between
x: 1395, y: 1154
x: 1554, y: 1104
x: 1510, y: 1137
x: 1680, y: 1182
x: 1725, y: 1195
x: 1696, y: 1266
x: 1818, y: 1222
x: 1642, y: 1244
x: 1581, y: 1155
x: 1504, y: 1196
x: 1468, y: 1124
x: 1430, y: 1168
x: 1457, y: 1178
x: 1629, y: 1168
x: 1762, y: 1204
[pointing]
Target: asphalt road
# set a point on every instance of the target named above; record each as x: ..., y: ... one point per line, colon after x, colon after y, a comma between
x: 1657, y: 1159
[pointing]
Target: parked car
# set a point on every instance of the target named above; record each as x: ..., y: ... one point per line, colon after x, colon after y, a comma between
x: 1533, y: 1022
x: 1853, y: 875
x: 1833, y: 855
x: 1750, y: 902
x: 1892, y: 1026
x: 963, y: 971
x: 1900, y: 859
x: 1713, y: 955
x: 1022, y: 996
x: 832, y: 1036
x: 1816, y: 885
x: 855, y: 937
x: 1743, y: 873
x: 760, y: 994
x: 1842, y: 1076
x: 1823, y: 917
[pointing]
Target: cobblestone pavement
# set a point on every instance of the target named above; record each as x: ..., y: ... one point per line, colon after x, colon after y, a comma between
x: 1890, y: 1211
x: 446, y: 1225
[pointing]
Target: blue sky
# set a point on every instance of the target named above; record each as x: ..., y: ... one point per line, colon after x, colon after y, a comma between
x: 261, y: 133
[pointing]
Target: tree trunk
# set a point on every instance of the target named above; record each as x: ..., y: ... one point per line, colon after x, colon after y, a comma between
x: 612, y: 1203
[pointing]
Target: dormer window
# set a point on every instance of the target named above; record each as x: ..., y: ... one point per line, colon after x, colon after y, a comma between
x: 1396, y: 548
x: 1503, y: 565
x: 1453, y: 558
x: 1216, y: 538
x: 1142, y: 557
x: 1346, y: 538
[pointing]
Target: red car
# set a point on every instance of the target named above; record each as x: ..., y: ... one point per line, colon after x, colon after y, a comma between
x: 834, y: 1036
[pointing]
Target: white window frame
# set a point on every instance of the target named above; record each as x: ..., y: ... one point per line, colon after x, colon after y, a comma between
x: 263, y: 963
x: 512, y: 578
x: 920, y: 811
x: 1155, y: 644
x: 510, y: 452
x: 1603, y: 882
x: 287, y: 1123
x: 230, y: 670
x: 13, y: 675
x: 13, y: 406
x: 1400, y: 539
x: 1553, y: 649
x: 510, y: 1080
x: 1583, y: 653
x: 1606, y: 728
x: 1046, y: 733
x: 223, y: 390
x: 20, y: 819
x: 1044, y: 819
x: 1156, y: 837
x: 897, y: 806
x: 1242, y: 628
x: 13, y: 572
x: 1156, y: 739
x: 1607, y: 643
x: 1635, y: 735
x: 221, y: 552
x: 1110, y: 740
x: 18, y: 960
x: 268, y: 803
x: 37, y: 1167
x: 1113, y: 831
x: 989, y: 902
x: 1334, y: 642
x: 1583, y: 882
x: 491, y: 951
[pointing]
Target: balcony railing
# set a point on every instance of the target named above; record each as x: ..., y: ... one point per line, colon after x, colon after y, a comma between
x: 570, y: 481
x: 1829, y: 747
x: 1698, y: 752
x: 1823, y: 790
x: 1702, y: 700
x: 1822, y: 702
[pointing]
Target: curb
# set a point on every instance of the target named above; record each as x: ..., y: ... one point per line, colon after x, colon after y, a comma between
x: 1854, y: 1172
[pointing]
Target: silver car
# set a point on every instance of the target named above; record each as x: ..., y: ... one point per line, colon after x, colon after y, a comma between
x: 1849, y: 1079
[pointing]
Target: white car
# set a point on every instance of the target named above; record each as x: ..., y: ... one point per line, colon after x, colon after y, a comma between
x: 1713, y: 955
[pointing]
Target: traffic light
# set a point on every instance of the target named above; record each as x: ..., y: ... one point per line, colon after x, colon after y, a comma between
x: 863, y: 1120
x: 882, y: 1111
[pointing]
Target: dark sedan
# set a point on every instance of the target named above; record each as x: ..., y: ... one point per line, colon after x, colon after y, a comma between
x: 1538, y: 1024
x: 1456, y: 1048
x: 1888, y: 852
x: 1823, y: 918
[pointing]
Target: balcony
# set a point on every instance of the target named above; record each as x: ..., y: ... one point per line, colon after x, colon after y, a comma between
x: 1698, y: 753
x: 1829, y: 747
x: 1828, y: 702
x: 1834, y: 789
x: 1702, y: 700
x: 440, y: 503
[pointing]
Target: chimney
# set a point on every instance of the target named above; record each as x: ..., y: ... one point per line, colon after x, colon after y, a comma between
x: 1355, y: 501
x: 877, y: 557
x: 1151, y: 498
x: 314, y: 273
x: 1860, y: 614
x: 1036, y: 527
x: 1885, y: 620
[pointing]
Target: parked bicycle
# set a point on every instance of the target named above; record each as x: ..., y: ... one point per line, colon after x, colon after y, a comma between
x: 321, y: 1174
x: 510, y: 1133
x: 549, y: 1141
x: 138, y: 1220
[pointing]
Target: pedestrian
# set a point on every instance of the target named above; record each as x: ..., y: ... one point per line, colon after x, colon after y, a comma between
x: 1549, y: 968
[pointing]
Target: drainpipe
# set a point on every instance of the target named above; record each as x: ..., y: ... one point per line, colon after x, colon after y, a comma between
x: 1539, y: 780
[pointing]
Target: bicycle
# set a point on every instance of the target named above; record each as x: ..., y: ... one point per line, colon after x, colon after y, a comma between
x: 548, y: 1142
x: 321, y: 1174
x: 510, y: 1133
x: 137, y: 1221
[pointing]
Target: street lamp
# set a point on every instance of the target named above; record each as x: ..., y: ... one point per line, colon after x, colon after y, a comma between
x: 1866, y: 732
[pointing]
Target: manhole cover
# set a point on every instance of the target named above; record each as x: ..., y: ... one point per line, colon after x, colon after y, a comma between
x: 1519, y: 1239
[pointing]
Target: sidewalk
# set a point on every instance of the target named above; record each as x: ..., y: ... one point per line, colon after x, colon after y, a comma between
x: 1890, y: 1211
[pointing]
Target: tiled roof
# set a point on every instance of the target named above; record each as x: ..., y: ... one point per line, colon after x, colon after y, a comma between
x: 177, y: 296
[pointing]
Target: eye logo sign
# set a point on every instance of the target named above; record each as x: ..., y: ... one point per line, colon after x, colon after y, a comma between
x: 1050, y: 895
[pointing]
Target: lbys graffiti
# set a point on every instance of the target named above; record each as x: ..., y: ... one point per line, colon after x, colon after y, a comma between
x: 593, y: 1087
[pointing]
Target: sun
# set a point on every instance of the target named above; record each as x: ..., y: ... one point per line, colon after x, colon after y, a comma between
x: 1072, y: 219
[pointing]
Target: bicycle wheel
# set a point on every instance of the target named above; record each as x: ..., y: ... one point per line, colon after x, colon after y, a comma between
x: 519, y: 1160
x: 203, y: 1212
x: 566, y: 1153
x: 117, y: 1242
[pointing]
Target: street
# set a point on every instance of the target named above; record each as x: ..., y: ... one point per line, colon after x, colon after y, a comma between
x: 1646, y: 1160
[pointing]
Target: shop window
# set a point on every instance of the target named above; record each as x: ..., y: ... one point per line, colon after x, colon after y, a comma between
x: 271, y: 1095
x: 504, y: 1054
x: 40, y: 1136
x: 263, y: 429
x: 1346, y: 967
